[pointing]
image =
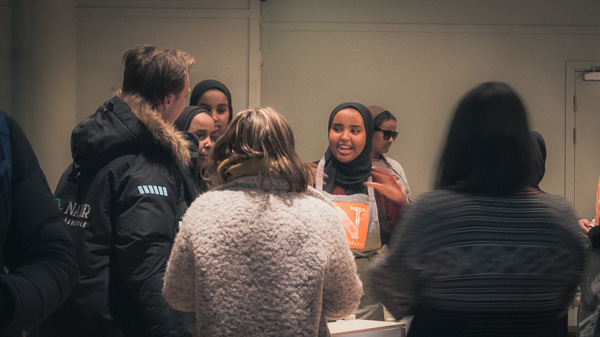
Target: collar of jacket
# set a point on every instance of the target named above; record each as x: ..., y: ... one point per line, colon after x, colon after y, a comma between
x: 164, y: 133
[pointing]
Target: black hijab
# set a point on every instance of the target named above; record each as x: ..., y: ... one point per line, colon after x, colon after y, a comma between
x: 207, y: 85
x: 183, y: 122
x: 538, y: 164
x: 193, y: 183
x: 350, y: 176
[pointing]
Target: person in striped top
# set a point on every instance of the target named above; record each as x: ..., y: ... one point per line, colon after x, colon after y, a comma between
x: 482, y: 255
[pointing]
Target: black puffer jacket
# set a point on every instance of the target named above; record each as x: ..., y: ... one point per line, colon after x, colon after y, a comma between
x: 34, y: 246
x: 122, y: 199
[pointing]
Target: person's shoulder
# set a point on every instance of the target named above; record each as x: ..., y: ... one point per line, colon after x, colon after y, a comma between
x: 439, y: 204
x: 139, y: 173
x: 255, y: 187
x: 392, y: 161
x: 555, y: 205
x: 439, y: 196
x: 14, y: 129
x: 559, y: 216
x: 229, y: 196
x: 318, y: 196
x: 545, y: 202
x: 245, y: 192
x: 552, y: 198
x: 317, y: 201
x: 9, y: 120
x: 25, y: 165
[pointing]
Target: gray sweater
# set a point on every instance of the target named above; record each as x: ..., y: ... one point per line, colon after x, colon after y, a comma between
x: 467, y: 265
x: 254, y: 262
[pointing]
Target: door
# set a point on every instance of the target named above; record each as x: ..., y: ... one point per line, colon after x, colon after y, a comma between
x: 582, y: 113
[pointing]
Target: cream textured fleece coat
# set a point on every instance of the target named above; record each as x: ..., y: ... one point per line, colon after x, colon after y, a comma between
x: 262, y: 262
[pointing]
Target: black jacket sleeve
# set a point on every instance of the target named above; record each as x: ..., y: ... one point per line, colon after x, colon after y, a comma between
x: 145, y: 228
x: 594, y: 235
x: 37, y: 251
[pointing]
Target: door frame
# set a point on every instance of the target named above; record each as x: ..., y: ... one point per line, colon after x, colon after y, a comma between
x: 573, y: 69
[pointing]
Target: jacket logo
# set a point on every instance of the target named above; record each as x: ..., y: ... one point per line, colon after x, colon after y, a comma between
x: 153, y: 189
x: 77, y: 214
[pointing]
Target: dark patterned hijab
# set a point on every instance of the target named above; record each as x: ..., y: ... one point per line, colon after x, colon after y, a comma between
x: 207, y: 85
x: 350, y: 176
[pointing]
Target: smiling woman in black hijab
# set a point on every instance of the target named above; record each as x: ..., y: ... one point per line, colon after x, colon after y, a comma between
x: 350, y: 175
x: 367, y: 200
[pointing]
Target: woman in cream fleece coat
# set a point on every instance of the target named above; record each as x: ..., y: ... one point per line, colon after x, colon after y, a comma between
x: 263, y: 254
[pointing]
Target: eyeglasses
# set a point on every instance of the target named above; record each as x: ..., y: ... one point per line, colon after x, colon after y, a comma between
x: 387, y: 134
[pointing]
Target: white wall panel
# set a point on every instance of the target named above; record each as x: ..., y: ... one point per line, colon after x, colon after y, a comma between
x: 414, y: 57
x: 457, y: 12
x: 220, y: 46
x: 315, y: 58
x: 205, y: 4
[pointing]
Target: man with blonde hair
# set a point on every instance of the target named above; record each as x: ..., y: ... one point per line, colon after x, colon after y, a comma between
x: 122, y: 200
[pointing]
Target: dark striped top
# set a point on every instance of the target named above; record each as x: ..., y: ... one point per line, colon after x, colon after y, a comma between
x: 468, y: 265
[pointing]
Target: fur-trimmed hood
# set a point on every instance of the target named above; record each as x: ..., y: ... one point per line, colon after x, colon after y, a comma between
x: 125, y: 124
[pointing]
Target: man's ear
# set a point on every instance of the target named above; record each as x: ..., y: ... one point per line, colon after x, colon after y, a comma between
x: 168, y: 100
x: 164, y: 103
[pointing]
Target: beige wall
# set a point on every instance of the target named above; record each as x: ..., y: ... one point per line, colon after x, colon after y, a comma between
x: 104, y: 34
x: 59, y: 77
x: 43, y: 87
x: 416, y: 58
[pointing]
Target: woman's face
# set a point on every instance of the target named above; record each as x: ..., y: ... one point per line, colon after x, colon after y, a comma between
x: 215, y: 101
x: 347, y: 136
x: 203, y: 126
x: 380, y: 145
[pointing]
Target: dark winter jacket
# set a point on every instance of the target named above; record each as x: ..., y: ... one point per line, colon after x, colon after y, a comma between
x: 122, y: 199
x: 35, y: 247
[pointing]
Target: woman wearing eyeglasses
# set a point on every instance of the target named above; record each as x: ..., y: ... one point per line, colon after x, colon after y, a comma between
x: 385, y: 134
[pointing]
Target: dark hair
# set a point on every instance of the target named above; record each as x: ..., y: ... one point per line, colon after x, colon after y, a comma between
x: 155, y: 73
x: 488, y: 150
x: 382, y: 117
